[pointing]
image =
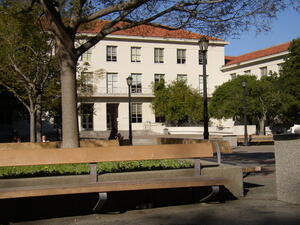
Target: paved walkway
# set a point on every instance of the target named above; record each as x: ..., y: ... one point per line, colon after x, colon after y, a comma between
x: 258, y: 207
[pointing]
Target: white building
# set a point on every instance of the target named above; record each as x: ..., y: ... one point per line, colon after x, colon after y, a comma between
x: 147, y: 54
x: 258, y: 63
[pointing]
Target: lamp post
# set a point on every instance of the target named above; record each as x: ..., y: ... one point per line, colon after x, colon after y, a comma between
x: 244, y: 85
x: 203, y: 45
x: 129, y: 83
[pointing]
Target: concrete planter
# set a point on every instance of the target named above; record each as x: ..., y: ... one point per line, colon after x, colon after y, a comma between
x: 287, y: 156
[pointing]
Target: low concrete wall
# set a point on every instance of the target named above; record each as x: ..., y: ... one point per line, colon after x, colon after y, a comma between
x: 86, y: 143
x: 224, y: 146
x: 287, y: 157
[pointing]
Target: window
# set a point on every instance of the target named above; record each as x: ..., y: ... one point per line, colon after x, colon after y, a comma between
x: 201, y: 58
x: 247, y: 72
x: 86, y: 111
x: 182, y: 77
x: 280, y: 65
x: 86, y: 56
x: 158, y: 78
x: 233, y: 76
x: 181, y: 56
x: 111, y: 53
x: 158, y: 55
x: 86, y: 82
x: 263, y: 71
x: 136, y: 116
x: 135, y: 54
x: 136, y: 83
x: 112, y: 82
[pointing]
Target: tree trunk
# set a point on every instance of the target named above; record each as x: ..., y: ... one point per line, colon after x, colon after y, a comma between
x: 39, y: 120
x: 70, y: 131
x: 262, y: 125
x: 32, y: 125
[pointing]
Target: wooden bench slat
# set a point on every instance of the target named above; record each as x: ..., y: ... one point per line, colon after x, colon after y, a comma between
x: 103, y: 154
x: 111, y: 186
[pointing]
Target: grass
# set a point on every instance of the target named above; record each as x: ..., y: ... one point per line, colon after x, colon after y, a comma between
x: 79, y: 169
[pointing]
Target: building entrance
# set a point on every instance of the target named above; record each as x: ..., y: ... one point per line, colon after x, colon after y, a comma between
x: 112, y: 115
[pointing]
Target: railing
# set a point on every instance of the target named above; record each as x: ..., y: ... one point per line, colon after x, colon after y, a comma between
x: 119, y: 92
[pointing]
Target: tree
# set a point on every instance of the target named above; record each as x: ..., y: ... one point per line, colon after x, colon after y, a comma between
x: 289, y: 85
x: 27, y: 62
x: 177, y: 102
x: 212, y: 17
x: 263, y: 100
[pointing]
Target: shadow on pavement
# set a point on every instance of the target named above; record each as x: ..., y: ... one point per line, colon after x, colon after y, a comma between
x: 28, y: 209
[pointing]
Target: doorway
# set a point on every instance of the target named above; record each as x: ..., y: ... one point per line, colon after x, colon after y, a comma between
x: 112, y: 115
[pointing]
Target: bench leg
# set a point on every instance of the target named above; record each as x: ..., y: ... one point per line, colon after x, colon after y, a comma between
x: 215, y: 190
x: 101, y: 201
x: 197, y: 167
x: 93, y: 172
x: 217, y: 147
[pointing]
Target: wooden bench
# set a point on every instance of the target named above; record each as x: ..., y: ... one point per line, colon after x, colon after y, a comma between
x: 28, y: 157
x: 257, y: 139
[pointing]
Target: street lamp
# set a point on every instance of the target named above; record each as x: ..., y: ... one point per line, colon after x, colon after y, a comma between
x: 203, y: 45
x: 129, y: 83
x: 244, y: 85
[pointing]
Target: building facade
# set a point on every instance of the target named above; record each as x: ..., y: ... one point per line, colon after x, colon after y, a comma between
x: 147, y: 54
x: 259, y: 63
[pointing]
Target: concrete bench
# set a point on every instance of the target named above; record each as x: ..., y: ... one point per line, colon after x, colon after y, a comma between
x: 45, y: 156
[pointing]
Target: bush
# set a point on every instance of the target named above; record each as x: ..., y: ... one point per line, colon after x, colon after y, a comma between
x: 79, y: 169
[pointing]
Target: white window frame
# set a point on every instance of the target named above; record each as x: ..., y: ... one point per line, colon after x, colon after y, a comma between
x: 137, y: 113
x: 111, y: 83
x: 86, y: 86
x: 111, y: 53
x: 136, y: 54
x: 87, y: 118
x: 158, y: 77
x: 158, y: 55
x: 136, y: 86
x: 247, y: 72
x: 181, y: 56
x: 182, y: 77
x: 233, y: 76
x: 263, y: 71
x: 86, y: 56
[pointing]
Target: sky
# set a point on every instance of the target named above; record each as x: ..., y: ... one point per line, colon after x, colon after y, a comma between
x: 285, y: 28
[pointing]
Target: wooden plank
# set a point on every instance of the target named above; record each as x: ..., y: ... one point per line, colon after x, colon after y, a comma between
x: 24, y: 157
x: 251, y: 169
x: 223, y: 145
x: 111, y: 186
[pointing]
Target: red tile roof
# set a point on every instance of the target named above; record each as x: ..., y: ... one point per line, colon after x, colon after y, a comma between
x: 257, y: 54
x: 144, y: 31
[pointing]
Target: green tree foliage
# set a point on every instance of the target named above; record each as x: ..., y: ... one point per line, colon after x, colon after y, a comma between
x: 263, y: 100
x: 27, y: 61
x: 289, y: 85
x: 177, y: 102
